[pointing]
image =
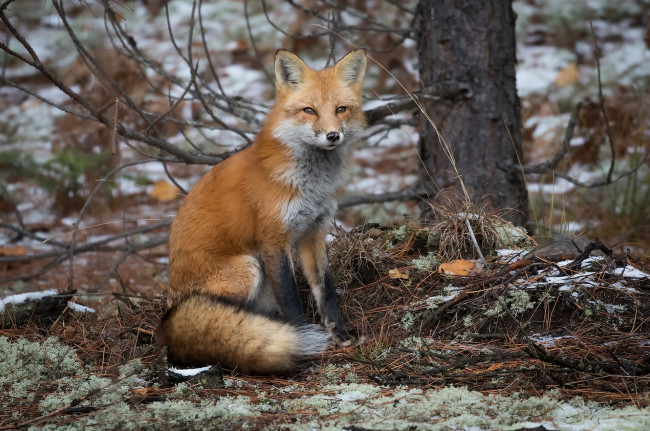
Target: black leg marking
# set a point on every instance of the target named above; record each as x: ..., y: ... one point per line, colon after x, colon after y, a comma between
x: 288, y: 299
x: 329, y: 311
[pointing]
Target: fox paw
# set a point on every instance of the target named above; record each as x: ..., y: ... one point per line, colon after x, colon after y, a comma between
x: 343, y: 338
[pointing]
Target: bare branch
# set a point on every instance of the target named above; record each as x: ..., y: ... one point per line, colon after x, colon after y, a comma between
x: 551, y: 164
x: 401, y: 195
x: 376, y: 115
x: 373, y: 26
x: 258, y: 57
x: 177, y: 102
x: 289, y: 35
x: 207, y: 52
x: 602, y: 105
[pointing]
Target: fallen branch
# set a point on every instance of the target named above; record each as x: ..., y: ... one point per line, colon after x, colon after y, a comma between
x: 401, y: 195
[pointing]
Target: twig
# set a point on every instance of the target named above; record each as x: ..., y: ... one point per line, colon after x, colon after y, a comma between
x: 538, y: 352
x: 601, y: 103
x: 433, y: 315
x: 193, y: 73
x: 206, y: 51
x: 478, y: 249
x: 258, y: 57
x: 376, y: 115
x: 113, y: 138
x: 595, y: 245
x: 551, y: 164
x: 401, y: 195
x: 285, y: 33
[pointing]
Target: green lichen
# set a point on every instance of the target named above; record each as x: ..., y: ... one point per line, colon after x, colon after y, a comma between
x: 459, y: 408
x: 27, y: 365
x: 511, y: 236
x: 426, y: 263
x: 517, y: 301
x: 92, y: 389
x: 408, y: 319
x: 418, y: 237
x: 496, y: 310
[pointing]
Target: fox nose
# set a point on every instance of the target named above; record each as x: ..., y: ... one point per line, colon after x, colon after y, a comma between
x: 332, y: 136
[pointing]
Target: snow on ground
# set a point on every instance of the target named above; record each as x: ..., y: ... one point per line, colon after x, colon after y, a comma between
x: 80, y: 308
x: 23, y: 297
x: 189, y: 372
x: 34, y: 296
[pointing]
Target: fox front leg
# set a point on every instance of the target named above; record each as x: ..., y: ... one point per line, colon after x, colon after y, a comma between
x: 280, y: 272
x: 313, y: 257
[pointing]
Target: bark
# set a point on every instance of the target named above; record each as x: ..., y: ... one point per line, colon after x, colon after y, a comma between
x: 467, y: 58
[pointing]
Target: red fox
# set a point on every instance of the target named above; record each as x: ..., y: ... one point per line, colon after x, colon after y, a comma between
x: 232, y: 291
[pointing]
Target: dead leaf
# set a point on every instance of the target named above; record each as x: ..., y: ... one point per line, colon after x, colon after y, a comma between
x: 570, y: 75
x: 163, y: 191
x: 12, y: 251
x: 139, y: 391
x: 461, y: 267
x: 396, y: 273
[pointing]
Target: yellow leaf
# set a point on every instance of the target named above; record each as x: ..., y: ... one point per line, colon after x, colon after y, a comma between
x: 12, y: 251
x: 460, y: 267
x: 570, y: 75
x: 396, y: 273
x: 163, y: 191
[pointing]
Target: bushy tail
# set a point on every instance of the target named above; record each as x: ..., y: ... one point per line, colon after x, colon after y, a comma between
x: 204, y: 329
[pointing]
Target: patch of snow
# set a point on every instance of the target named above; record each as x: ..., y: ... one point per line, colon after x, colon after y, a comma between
x: 432, y: 300
x: 611, y: 308
x: 577, y: 141
x: 631, y: 272
x: 548, y: 339
x: 188, y: 372
x: 546, y: 124
x: 80, y: 308
x: 619, y: 285
x: 585, y: 263
x: 561, y: 186
x: 22, y: 297
x: 538, y: 67
x: 509, y: 253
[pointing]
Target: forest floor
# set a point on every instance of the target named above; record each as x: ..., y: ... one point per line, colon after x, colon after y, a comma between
x: 556, y: 340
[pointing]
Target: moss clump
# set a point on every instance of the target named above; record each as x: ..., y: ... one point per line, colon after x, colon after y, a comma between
x: 26, y: 366
x: 517, y: 301
x: 98, y: 390
x: 426, y: 263
x: 416, y: 238
x: 512, y: 236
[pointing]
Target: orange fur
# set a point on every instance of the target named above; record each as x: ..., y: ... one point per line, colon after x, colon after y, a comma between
x: 232, y: 234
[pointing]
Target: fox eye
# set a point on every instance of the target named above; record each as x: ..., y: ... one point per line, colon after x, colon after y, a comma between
x: 341, y: 109
x: 309, y: 111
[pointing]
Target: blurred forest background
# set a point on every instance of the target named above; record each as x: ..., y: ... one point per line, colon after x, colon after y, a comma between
x: 179, y: 85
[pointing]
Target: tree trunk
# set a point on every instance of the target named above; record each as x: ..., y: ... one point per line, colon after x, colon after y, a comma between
x: 467, y: 57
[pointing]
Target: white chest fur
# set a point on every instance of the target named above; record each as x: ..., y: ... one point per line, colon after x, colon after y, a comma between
x: 316, y: 174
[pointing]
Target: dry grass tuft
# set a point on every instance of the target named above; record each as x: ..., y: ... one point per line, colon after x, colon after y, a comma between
x: 458, y: 220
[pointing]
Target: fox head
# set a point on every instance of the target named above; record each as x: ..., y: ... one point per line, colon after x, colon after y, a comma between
x: 319, y: 109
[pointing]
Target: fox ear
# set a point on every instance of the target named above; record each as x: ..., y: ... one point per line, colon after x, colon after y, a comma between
x: 352, y: 68
x: 289, y: 69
